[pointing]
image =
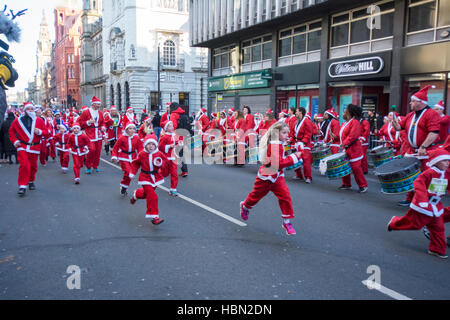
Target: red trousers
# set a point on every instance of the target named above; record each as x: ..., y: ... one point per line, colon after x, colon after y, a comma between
x: 173, y: 169
x: 64, y: 159
x: 28, y: 167
x: 126, y: 168
x: 364, y: 164
x: 357, y: 173
x: 414, y: 220
x: 44, y: 153
x: 51, y: 149
x: 262, y: 187
x: 93, y: 157
x: 334, y: 150
x: 148, y: 192
x: 77, y: 165
x: 307, y: 162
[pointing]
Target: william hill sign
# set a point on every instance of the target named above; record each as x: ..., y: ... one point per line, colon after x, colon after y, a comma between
x: 357, y: 67
x: 240, y: 81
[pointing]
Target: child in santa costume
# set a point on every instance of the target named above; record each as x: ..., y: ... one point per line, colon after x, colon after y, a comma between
x: 61, y: 144
x: 271, y: 175
x: 146, y: 128
x: 93, y: 124
x: 167, y: 144
x: 25, y: 134
x: 150, y: 161
x: 79, y: 144
x: 426, y: 208
x: 125, y: 151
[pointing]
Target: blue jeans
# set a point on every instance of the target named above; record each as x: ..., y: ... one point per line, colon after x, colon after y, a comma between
x: 157, y: 132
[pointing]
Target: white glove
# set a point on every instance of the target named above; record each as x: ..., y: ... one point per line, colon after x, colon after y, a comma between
x: 17, y: 143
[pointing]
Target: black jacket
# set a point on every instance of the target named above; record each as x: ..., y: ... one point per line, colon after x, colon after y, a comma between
x: 7, y: 145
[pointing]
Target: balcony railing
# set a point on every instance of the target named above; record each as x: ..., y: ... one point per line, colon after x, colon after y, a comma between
x: 174, y: 64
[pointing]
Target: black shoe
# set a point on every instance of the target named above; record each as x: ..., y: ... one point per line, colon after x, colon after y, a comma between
x: 344, y: 187
x: 448, y: 242
x: 363, y: 190
x: 123, y: 191
x: 21, y: 192
x: 426, y: 233
x: 389, y: 224
x: 31, y: 186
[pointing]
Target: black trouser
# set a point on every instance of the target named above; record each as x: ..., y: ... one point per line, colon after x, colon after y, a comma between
x: 184, y: 167
x: 110, y: 144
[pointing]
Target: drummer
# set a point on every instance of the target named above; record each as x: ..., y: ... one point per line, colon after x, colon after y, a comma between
x: 364, y: 138
x: 422, y: 129
x: 349, y: 139
x: 301, y: 137
x: 332, y: 130
x: 389, y: 134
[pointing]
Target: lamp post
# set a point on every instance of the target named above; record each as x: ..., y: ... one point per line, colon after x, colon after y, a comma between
x: 159, y: 78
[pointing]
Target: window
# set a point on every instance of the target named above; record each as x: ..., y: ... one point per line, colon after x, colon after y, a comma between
x: 257, y: 49
x: 154, y: 100
x: 222, y: 57
x: 428, y: 21
x: 300, y: 43
x: 169, y: 56
x: 362, y: 30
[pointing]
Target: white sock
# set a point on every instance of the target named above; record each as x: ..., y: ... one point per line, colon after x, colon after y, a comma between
x: 286, y: 221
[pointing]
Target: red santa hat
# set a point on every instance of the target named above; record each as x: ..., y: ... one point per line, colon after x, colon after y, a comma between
x: 113, y: 108
x: 270, y: 111
x: 285, y: 112
x: 76, y: 125
x: 95, y: 100
x: 308, y: 115
x: 83, y: 108
x: 332, y: 113
x: 231, y: 110
x: 214, y: 115
x: 437, y: 155
x: 150, y: 138
x: 165, y: 124
x: 129, y: 109
x: 147, y: 119
x: 422, y: 94
x: 130, y: 124
x: 319, y: 116
x: 439, y: 105
x: 203, y: 110
x: 28, y: 105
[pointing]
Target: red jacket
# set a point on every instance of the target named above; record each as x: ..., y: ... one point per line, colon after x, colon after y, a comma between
x: 29, y: 141
x: 167, y: 145
x: 349, y: 137
x: 150, y: 164
x: 79, y: 144
x: 203, y: 123
x: 333, y: 127
x: 112, y: 125
x: 273, y: 166
x: 94, y: 130
x: 302, y: 133
x: 62, y: 142
x: 444, y: 126
x: 174, y: 116
x: 365, y: 132
x: 127, y: 148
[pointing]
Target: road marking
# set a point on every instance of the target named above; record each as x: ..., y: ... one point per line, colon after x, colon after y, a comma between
x: 391, y: 293
x: 196, y: 203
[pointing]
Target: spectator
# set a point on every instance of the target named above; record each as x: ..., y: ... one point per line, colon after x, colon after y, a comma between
x: 379, y: 122
x: 6, y: 145
x: 143, y: 116
x: 372, y: 120
x: 156, y: 123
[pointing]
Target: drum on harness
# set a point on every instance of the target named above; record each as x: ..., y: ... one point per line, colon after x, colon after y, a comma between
x: 319, y: 153
x: 335, y: 166
x: 381, y: 155
x: 397, y: 176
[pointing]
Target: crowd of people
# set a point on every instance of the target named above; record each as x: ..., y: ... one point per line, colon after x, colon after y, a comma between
x: 286, y: 141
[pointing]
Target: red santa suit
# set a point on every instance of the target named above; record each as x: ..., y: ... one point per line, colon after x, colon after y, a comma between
x: 79, y: 145
x: 61, y: 144
x: 28, y: 144
x: 112, y: 124
x: 271, y: 178
x: 240, y: 129
x: 94, y: 131
x: 426, y: 208
x: 126, y: 119
x: 364, y: 138
x: 150, y: 176
x: 264, y: 126
x: 51, y: 128
x: 250, y: 133
x: 333, y: 127
x: 301, y: 138
x: 145, y: 129
x: 167, y: 144
x: 388, y: 133
x: 349, y: 137
x: 126, y: 150
x: 174, y: 116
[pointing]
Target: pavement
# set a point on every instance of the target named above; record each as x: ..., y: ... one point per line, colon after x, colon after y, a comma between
x: 203, y: 250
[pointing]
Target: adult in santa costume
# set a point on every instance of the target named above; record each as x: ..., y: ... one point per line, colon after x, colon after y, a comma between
x: 126, y: 151
x: 426, y: 208
x: 444, y: 122
x: 301, y: 138
x: 331, y: 136
x: 230, y: 118
x: 175, y: 115
x: 112, y: 124
x: 388, y: 133
x: 52, y: 130
x: 349, y: 135
x: 79, y: 144
x: 364, y: 138
x: 166, y: 115
x: 422, y: 126
x: 250, y: 132
x: 150, y: 161
x: 319, y: 121
x: 167, y: 144
x: 266, y: 123
x: 283, y: 116
x: 93, y: 124
x: 61, y: 144
x: 201, y: 123
x: 128, y: 118
x: 145, y: 129
x: 26, y: 133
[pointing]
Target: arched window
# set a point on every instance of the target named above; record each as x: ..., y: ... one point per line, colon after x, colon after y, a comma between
x: 127, y: 95
x: 119, y: 97
x: 169, y: 56
x: 112, y: 95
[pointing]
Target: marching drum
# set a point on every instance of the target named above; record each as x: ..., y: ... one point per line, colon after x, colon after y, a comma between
x: 319, y: 153
x: 299, y: 164
x: 337, y: 166
x: 397, y: 176
x: 381, y: 155
x: 253, y: 155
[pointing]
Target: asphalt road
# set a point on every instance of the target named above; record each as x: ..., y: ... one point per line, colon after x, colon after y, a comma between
x: 197, y: 253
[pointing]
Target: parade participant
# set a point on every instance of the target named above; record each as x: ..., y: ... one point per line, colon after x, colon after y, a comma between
x: 175, y: 115
x: 292, y: 118
x: 301, y: 136
x: 364, y: 138
x: 26, y: 133
x: 426, y: 208
x: 126, y: 151
x: 92, y: 122
x: 43, y: 155
x: 240, y: 129
x: 61, y: 144
x: 112, y: 123
x: 271, y: 175
x: 150, y: 161
x: 51, y: 128
x: 388, y: 133
x: 166, y: 115
x: 422, y: 126
x: 145, y: 129
x: 444, y: 122
x: 283, y: 116
x: 332, y: 132
x: 320, y: 124
x: 66, y: 116
x: 167, y: 145
x: 230, y: 119
x: 267, y: 122
x: 128, y: 118
x: 349, y: 138
x: 250, y: 133
x: 79, y: 144
x: 201, y: 123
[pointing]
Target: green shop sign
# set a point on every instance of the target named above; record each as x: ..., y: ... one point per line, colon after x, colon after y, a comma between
x: 241, y: 81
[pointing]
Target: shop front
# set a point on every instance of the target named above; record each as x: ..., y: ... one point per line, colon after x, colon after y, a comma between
x: 244, y: 89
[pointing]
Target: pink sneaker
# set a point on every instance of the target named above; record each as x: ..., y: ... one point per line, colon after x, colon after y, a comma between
x: 244, y: 212
x: 289, y: 229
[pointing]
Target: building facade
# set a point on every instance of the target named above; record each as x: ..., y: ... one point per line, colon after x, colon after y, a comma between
x: 320, y: 54
x: 93, y: 81
x: 67, y: 56
x: 133, y: 31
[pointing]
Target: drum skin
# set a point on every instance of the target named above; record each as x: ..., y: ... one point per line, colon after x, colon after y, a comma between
x: 381, y: 155
x: 318, y: 154
x: 397, y: 176
x: 338, y: 166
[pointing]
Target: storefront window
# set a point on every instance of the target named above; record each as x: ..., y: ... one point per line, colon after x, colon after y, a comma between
x: 306, y: 96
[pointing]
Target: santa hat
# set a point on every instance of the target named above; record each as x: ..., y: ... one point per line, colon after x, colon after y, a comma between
x: 308, y: 115
x: 270, y: 111
x: 319, y: 116
x: 422, y: 94
x: 165, y: 124
x: 285, y: 112
x: 129, y: 109
x: 203, y: 110
x: 437, y: 155
x: 385, y: 118
x: 76, y: 125
x: 231, y: 110
x: 63, y: 125
x: 147, y: 119
x: 332, y: 113
x: 214, y: 115
x: 113, y: 108
x: 95, y: 100
x: 130, y: 124
x: 439, y: 105
x: 28, y: 104
x: 83, y: 108
x: 150, y: 138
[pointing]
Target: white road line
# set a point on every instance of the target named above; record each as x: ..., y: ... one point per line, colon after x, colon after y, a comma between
x: 196, y: 203
x: 391, y: 293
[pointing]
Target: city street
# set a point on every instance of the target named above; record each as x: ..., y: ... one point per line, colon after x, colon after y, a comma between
x: 203, y: 250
